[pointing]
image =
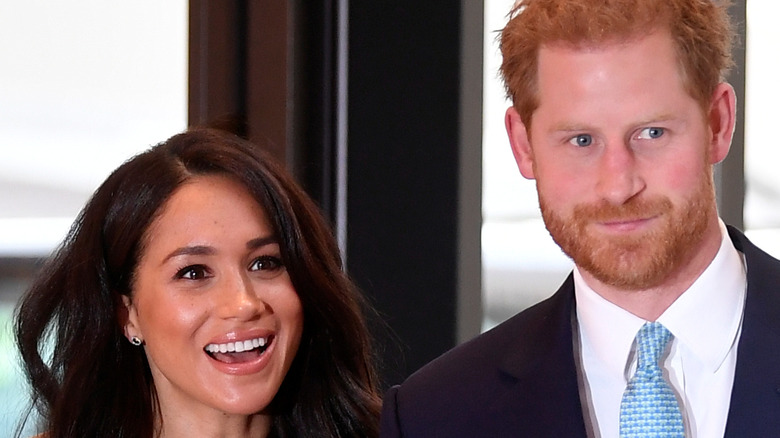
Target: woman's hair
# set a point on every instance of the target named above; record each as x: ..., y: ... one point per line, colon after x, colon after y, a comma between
x: 89, y: 381
x: 700, y: 29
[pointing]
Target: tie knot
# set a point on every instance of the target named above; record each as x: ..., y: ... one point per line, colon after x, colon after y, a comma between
x: 651, y: 342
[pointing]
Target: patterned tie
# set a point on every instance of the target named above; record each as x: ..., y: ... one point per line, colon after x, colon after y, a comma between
x: 649, y: 408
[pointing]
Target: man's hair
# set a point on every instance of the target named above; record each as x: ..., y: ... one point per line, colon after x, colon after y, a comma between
x: 700, y: 29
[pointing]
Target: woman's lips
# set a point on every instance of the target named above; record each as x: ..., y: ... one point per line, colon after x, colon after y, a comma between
x: 237, y: 346
x: 245, y: 356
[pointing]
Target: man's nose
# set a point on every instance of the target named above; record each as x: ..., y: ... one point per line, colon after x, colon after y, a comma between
x: 619, y: 178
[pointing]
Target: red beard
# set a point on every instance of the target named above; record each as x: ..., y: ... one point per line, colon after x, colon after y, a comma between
x: 644, y: 259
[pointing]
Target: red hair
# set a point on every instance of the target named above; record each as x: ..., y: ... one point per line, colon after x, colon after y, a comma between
x: 700, y: 29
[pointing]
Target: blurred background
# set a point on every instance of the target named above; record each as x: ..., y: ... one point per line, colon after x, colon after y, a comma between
x: 86, y: 84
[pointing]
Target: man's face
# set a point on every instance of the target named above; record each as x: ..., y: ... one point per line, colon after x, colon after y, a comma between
x: 622, y: 157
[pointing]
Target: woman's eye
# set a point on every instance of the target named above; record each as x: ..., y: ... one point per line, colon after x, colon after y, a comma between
x: 193, y: 272
x: 651, y: 133
x: 266, y: 263
x: 582, y: 140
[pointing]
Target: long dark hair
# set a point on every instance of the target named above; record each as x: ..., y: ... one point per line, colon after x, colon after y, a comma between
x: 88, y: 381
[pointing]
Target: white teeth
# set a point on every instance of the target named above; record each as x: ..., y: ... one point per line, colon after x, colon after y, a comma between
x: 237, y: 347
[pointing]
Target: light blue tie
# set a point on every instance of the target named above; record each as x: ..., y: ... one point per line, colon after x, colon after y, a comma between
x: 649, y: 407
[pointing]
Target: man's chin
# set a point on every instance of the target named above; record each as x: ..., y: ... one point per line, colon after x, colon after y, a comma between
x: 630, y: 263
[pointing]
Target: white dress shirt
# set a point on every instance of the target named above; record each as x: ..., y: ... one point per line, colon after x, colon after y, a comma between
x: 705, y: 323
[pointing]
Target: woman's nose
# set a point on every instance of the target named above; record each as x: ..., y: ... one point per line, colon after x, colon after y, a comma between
x: 240, y: 301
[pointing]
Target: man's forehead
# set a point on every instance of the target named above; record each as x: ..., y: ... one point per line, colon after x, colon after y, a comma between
x: 601, y: 43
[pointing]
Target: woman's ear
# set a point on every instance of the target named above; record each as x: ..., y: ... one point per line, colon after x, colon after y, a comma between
x: 518, y: 139
x: 128, y: 319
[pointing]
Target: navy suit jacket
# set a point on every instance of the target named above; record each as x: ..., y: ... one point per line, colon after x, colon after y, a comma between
x: 520, y: 379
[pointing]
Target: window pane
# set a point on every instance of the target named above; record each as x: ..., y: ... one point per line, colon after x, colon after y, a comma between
x: 91, y: 83
x: 13, y: 399
x: 762, y: 92
x: 85, y: 84
x: 521, y: 264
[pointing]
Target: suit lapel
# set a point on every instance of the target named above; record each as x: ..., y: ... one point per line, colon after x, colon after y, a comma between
x: 755, y: 399
x: 544, y: 370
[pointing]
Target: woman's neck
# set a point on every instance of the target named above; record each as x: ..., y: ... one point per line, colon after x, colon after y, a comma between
x: 213, y: 425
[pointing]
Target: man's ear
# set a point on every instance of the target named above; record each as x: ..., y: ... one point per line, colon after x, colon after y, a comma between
x: 722, y: 117
x: 128, y: 319
x: 518, y: 139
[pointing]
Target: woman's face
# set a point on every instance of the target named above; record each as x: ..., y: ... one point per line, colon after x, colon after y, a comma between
x: 213, y: 303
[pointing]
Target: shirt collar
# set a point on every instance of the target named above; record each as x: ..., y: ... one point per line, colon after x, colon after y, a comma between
x: 705, y: 319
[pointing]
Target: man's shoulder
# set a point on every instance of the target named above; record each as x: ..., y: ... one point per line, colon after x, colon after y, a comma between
x: 763, y: 273
x: 489, y: 384
x: 470, y: 365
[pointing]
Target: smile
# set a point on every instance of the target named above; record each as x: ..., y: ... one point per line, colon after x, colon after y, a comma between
x: 239, y: 346
x: 242, y: 357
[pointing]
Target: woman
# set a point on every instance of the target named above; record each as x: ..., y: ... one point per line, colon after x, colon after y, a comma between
x: 199, y: 293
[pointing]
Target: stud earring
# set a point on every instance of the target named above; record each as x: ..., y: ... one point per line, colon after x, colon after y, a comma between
x: 135, y: 340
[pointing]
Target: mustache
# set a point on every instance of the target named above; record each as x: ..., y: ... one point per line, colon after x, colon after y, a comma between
x: 604, y: 211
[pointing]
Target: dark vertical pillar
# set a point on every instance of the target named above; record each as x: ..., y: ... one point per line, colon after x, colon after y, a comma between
x: 265, y: 70
x: 239, y: 70
x: 315, y: 101
x: 405, y: 171
x: 269, y: 75
x: 217, y: 65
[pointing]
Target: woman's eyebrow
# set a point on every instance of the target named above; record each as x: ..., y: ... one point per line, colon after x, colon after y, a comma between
x: 261, y: 241
x: 208, y: 250
x: 190, y: 250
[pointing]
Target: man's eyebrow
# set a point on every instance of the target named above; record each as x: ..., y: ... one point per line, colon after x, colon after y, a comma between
x: 261, y: 241
x: 577, y: 127
x: 663, y: 117
x: 569, y: 127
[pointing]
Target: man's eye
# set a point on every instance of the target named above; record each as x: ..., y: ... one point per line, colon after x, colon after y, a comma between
x: 266, y: 263
x: 193, y: 272
x: 582, y: 140
x: 651, y: 133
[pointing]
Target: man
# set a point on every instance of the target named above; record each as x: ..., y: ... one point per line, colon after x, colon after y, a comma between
x: 619, y: 113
